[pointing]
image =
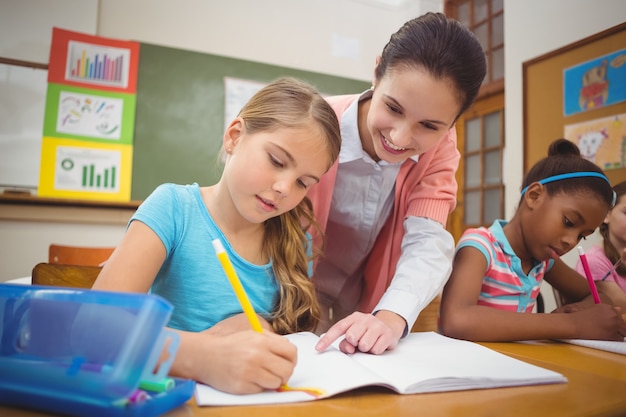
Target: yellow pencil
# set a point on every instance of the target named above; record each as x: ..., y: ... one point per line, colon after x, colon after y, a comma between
x: 237, y: 287
x: 249, y: 310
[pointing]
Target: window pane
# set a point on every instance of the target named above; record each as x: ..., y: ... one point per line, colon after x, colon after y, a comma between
x: 481, y: 35
x: 472, y: 208
x: 496, y: 6
x: 492, y: 129
x: 497, y: 64
x: 491, y: 206
x: 472, y: 171
x: 472, y: 135
x: 492, y: 168
x: 497, y: 30
x: 480, y: 10
x: 462, y: 14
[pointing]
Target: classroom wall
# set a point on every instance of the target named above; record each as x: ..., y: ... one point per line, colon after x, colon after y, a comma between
x: 533, y: 28
x: 336, y: 37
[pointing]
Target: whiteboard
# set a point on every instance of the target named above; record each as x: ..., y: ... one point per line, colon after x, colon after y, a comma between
x: 22, y: 106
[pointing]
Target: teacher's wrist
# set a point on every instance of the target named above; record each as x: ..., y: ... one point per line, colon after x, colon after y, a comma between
x: 394, y: 321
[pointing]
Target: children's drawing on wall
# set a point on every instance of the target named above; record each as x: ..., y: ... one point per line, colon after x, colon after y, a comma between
x: 89, y: 115
x: 89, y: 119
x: 602, y: 141
x: 594, y: 84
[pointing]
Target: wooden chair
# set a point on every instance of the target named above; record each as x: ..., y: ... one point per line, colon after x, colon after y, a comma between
x: 78, y: 255
x: 427, y: 320
x: 76, y: 276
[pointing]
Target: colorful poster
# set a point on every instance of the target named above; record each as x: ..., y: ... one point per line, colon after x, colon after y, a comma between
x: 93, y: 62
x: 92, y: 115
x: 84, y: 170
x: 596, y: 83
x: 602, y: 141
x: 89, y: 118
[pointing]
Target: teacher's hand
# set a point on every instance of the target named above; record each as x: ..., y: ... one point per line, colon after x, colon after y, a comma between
x: 365, y: 332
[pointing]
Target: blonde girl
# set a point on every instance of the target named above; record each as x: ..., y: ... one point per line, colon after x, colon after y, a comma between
x: 281, y: 143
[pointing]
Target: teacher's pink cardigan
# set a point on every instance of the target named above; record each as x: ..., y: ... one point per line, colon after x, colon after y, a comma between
x: 426, y: 188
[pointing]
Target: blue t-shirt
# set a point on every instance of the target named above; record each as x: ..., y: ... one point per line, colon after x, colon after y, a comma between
x: 191, y: 278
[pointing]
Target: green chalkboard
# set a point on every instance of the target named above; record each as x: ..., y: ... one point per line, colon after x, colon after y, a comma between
x: 179, y: 121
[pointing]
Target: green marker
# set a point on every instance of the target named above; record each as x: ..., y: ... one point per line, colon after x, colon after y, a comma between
x: 163, y: 385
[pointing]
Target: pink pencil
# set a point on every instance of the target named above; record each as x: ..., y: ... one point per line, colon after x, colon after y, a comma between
x: 590, y: 281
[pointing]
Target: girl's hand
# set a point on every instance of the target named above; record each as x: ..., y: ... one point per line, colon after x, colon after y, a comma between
x: 365, y: 333
x: 243, y: 362
x: 601, y: 322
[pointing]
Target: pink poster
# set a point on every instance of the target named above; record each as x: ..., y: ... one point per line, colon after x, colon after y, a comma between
x: 602, y: 141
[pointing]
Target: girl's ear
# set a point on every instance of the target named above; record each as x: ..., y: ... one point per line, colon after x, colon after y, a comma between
x: 232, y: 134
x: 534, y: 194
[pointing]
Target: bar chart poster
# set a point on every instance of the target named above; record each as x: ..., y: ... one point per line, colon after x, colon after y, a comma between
x: 94, y: 115
x: 79, y: 170
x: 93, y: 61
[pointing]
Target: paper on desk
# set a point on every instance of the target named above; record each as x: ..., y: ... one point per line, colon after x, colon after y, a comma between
x: 608, y: 345
x: 421, y: 363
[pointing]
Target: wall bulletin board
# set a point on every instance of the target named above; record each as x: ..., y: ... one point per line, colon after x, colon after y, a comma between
x: 555, y: 106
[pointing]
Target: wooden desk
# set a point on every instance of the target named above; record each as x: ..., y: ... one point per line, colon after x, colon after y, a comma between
x: 596, y: 387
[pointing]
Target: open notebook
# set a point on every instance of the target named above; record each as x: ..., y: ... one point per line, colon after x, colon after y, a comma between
x: 422, y: 362
x: 608, y: 345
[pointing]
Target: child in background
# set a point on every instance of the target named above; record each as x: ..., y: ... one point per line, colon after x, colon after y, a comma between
x: 385, y: 203
x: 602, y: 258
x: 497, y: 272
x: 281, y: 143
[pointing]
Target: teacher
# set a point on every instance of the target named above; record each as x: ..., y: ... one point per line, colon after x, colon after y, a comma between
x: 383, y: 205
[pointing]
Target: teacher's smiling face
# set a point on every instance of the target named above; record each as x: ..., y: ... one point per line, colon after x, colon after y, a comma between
x: 409, y: 113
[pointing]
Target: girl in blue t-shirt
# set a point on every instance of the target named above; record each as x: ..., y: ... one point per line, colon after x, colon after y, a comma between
x: 280, y: 144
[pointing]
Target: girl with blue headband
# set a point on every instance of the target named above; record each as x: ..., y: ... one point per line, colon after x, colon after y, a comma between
x: 498, y: 271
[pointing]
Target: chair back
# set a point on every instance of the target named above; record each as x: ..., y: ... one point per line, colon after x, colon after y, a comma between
x: 78, y: 255
x: 75, y: 276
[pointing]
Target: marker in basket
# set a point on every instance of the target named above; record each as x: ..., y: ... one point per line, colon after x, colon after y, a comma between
x: 222, y: 256
x: 590, y: 281
x: 138, y: 396
x: 163, y: 385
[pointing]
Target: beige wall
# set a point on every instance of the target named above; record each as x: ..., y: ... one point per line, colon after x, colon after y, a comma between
x: 26, y: 231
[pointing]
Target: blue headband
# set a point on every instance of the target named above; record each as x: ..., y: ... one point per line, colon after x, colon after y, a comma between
x: 574, y: 175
